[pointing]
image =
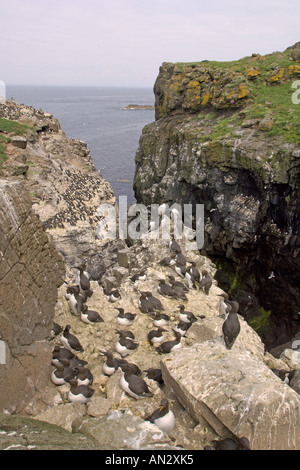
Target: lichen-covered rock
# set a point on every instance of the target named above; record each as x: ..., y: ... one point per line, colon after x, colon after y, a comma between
x: 238, y: 155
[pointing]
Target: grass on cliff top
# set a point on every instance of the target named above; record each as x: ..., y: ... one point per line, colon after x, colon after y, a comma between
x: 10, y: 127
x: 266, y: 99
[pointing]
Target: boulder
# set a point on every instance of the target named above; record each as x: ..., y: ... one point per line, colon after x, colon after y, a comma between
x: 124, y: 431
x: 21, y: 433
x: 235, y: 393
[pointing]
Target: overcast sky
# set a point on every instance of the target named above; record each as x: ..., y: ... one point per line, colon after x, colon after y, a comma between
x: 123, y: 42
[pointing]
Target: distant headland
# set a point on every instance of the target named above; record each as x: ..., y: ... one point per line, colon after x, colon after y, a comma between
x: 139, y: 106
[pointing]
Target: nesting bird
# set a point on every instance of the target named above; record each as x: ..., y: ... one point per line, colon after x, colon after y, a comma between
x: 160, y: 319
x: 170, y: 346
x: 90, y: 316
x: 112, y: 363
x: 156, y: 336
x: 124, y: 345
x: 154, y: 374
x: 62, y: 374
x: 70, y: 341
x: 185, y: 316
x: 125, y: 318
x: 132, y: 384
x: 79, y: 393
x: 163, y: 417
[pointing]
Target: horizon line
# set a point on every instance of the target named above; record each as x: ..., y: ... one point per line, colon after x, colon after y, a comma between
x: 77, y: 86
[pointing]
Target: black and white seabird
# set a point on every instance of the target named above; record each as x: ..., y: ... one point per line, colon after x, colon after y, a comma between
x: 180, y: 259
x: 56, y: 330
x: 154, y: 374
x: 182, y: 327
x: 170, y: 346
x: 90, y: 316
x: 175, y: 283
x: 156, y: 336
x: 180, y: 270
x: 127, y: 333
x: 112, y: 363
x: 231, y: 328
x: 144, y: 305
x: 132, y: 384
x: 141, y: 276
x: 59, y: 353
x: 174, y: 246
x: 168, y: 261
x: 70, y: 341
x: 160, y: 319
x: 84, y: 277
x: 79, y: 393
x: 165, y: 289
x: 62, y: 374
x: 185, y: 316
x: 114, y: 295
x: 163, y: 417
x: 84, y: 376
x: 154, y: 302
x: 206, y: 281
x: 124, y: 345
x: 125, y: 318
x: 148, y: 303
x: 179, y: 293
x: 192, y: 269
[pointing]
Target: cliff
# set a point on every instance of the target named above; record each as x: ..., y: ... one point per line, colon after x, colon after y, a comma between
x: 226, y: 135
x: 50, y: 221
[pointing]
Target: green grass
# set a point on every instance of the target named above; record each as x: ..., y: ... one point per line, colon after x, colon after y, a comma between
x: 260, y: 322
x: 265, y: 97
x: 7, y: 126
x: 10, y: 127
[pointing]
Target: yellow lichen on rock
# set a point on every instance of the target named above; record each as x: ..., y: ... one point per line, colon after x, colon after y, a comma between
x: 276, y: 78
x: 243, y: 91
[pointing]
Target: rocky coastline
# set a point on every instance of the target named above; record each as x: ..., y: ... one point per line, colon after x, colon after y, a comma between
x: 51, y: 193
x: 226, y: 135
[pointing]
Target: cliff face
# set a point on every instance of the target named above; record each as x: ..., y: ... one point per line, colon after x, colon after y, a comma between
x: 50, y: 192
x: 30, y: 273
x: 227, y: 135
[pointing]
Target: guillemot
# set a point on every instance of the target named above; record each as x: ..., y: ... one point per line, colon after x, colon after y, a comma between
x: 90, y: 316
x: 163, y: 417
x: 185, y: 316
x: 170, y: 346
x: 231, y: 328
x: 132, y: 384
x: 70, y: 341
x: 125, y: 318
x: 125, y: 346
x: 206, y: 281
x: 156, y: 336
x: 79, y: 393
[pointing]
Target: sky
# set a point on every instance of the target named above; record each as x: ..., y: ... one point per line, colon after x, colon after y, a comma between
x: 124, y: 42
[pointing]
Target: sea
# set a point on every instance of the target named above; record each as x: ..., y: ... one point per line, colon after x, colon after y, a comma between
x: 97, y: 116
